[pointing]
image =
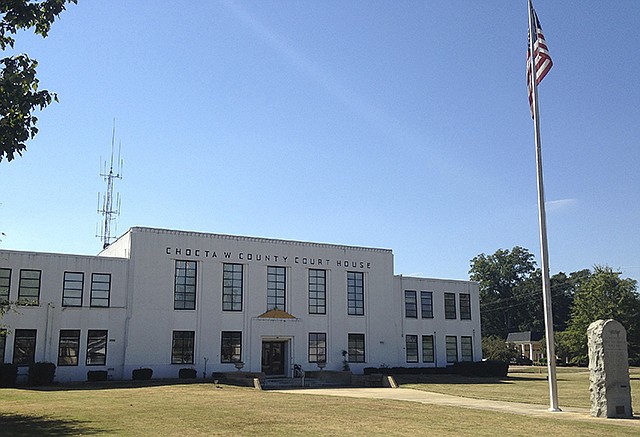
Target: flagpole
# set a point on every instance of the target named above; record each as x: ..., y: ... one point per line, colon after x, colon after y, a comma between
x: 542, y: 218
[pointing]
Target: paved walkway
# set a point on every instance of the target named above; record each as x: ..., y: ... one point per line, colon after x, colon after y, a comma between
x: 426, y: 397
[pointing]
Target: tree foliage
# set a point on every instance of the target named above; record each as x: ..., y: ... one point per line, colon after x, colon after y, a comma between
x: 19, y: 87
x: 500, y: 275
x: 604, y: 294
x: 511, y: 301
x: 494, y: 348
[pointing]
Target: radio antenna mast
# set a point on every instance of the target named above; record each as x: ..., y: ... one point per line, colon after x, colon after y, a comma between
x: 109, y: 206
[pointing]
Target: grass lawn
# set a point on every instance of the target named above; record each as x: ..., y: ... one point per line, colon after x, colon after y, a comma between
x: 526, y: 384
x: 202, y: 409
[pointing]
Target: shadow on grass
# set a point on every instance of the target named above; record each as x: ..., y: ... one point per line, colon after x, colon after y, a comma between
x: 457, y: 379
x: 111, y: 385
x: 20, y: 425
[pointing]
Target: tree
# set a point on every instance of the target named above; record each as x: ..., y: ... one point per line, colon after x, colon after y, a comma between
x: 603, y: 295
x: 562, y: 291
x: 496, y: 349
x: 19, y: 93
x: 499, y: 276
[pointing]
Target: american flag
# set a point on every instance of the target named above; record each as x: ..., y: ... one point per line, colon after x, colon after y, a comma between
x: 542, y: 58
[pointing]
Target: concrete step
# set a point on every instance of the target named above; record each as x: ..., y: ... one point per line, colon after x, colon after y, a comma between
x: 290, y: 383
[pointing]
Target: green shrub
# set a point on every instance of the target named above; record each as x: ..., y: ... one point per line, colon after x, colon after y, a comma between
x: 41, y: 373
x: 187, y: 373
x: 142, y: 374
x: 8, y: 375
x: 408, y: 370
x: 495, y: 369
x: 97, y: 375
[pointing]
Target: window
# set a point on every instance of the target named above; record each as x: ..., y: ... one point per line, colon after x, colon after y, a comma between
x: 231, y: 347
x: 276, y: 288
x: 452, y: 349
x: 428, y: 355
x: 356, y: 348
x: 5, y: 285
x: 466, y: 349
x: 29, y: 287
x: 72, y: 289
x: 3, y: 344
x: 184, y: 297
x: 412, y: 348
x: 410, y: 304
x: 96, y: 348
x: 355, y: 293
x: 449, y: 306
x: 465, y: 306
x: 24, y: 347
x: 69, y: 347
x: 182, y: 347
x: 426, y: 304
x: 100, y: 289
x: 317, y: 347
x: 317, y: 292
x: 232, y: 287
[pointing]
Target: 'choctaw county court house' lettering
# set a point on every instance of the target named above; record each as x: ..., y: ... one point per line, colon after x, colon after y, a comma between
x: 167, y: 300
x: 258, y: 257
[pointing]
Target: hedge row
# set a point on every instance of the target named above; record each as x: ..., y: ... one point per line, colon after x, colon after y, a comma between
x: 40, y: 374
x: 494, y: 369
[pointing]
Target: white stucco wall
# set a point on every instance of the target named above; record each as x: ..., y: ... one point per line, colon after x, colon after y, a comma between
x: 142, y: 318
x: 439, y: 326
x: 49, y: 317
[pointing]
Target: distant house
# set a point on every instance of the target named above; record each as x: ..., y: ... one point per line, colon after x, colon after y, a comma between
x: 529, y: 343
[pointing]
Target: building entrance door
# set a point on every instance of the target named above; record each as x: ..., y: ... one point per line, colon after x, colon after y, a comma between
x: 273, y: 357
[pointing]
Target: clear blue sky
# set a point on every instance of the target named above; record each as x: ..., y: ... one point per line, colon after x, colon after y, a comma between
x: 401, y: 125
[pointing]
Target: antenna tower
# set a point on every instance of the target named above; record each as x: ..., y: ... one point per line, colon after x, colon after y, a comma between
x: 108, y: 205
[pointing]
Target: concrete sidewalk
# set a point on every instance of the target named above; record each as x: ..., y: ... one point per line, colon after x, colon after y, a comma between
x: 426, y: 397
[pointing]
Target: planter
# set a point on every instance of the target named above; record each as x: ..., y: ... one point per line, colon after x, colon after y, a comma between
x: 96, y: 375
x: 142, y: 374
x: 187, y: 373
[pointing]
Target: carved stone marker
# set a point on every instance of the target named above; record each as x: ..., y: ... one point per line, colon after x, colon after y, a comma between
x: 609, y: 385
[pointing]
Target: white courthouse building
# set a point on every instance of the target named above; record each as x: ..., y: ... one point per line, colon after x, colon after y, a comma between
x: 168, y: 300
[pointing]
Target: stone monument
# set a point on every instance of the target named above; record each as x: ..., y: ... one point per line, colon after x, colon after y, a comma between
x: 609, y: 384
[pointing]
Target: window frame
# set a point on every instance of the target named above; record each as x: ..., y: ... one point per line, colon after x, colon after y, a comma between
x: 96, y: 296
x: 24, y: 346
x: 426, y: 304
x: 469, y: 348
x: 465, y: 306
x: 450, y: 312
x: 317, y: 282
x: 355, y: 293
x: 428, y: 349
x: 451, y: 343
x: 356, y: 348
x: 66, y: 287
x: 276, y: 288
x: 185, y: 285
x: 3, y: 344
x: 411, y: 304
x: 411, y: 348
x: 317, y: 347
x: 182, y: 347
x: 97, y: 340
x: 232, y: 286
x: 5, y: 285
x: 68, y: 347
x: 231, y: 346
x: 23, y: 287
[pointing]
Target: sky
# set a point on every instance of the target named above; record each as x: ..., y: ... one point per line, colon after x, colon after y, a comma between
x: 401, y: 125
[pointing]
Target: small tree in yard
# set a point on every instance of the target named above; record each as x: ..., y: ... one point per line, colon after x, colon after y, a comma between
x: 495, y: 348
